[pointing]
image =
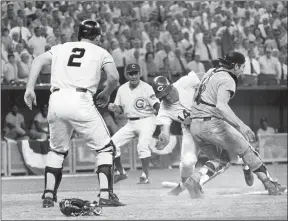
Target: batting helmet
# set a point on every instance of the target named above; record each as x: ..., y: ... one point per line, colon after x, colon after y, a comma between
x: 89, y: 29
x: 161, y: 86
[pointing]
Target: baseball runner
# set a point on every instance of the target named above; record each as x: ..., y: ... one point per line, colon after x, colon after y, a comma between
x: 176, y: 105
x: 215, y: 128
x: 136, y: 99
x: 75, y: 74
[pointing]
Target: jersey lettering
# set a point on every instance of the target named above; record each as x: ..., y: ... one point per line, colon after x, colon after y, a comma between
x: 202, y: 86
x: 185, y: 115
x: 73, y: 63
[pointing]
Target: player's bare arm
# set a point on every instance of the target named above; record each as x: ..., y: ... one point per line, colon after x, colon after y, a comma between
x: 164, y: 137
x: 223, y: 98
x: 112, y: 80
x: 37, y: 65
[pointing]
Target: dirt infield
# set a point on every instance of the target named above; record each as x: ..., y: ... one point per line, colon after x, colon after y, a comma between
x: 226, y: 197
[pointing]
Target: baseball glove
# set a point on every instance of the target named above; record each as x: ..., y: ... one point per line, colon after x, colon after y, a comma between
x: 78, y: 207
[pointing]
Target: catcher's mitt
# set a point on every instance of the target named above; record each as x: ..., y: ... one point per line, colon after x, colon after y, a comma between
x: 78, y: 207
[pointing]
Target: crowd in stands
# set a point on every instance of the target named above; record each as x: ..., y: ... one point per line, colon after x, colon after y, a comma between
x: 168, y: 38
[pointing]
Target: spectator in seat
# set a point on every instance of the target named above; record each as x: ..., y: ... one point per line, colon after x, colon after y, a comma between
x: 55, y: 39
x: 24, y: 66
x: 166, y: 70
x: 37, y: 42
x: 195, y: 65
x: 6, y: 39
x: 12, y: 70
x: 282, y: 77
x: 41, y: 123
x: 152, y: 69
x: 15, y: 127
x: 23, y: 32
x: 265, y: 129
x: 269, y: 68
x: 251, y: 69
x: 119, y: 56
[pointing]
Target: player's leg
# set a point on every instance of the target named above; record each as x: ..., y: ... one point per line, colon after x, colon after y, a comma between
x: 92, y: 128
x: 252, y: 159
x: 145, y: 128
x: 120, y: 138
x: 60, y: 133
x: 187, y: 162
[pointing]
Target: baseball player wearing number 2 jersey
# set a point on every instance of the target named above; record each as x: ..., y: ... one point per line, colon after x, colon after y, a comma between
x: 137, y: 100
x: 75, y: 75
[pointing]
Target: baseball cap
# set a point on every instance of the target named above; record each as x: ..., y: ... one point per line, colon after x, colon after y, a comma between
x: 233, y: 57
x: 132, y: 67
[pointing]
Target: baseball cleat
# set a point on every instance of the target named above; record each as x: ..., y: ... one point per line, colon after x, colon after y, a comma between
x: 143, y: 180
x: 273, y: 187
x: 249, y: 178
x: 113, y: 201
x: 119, y: 177
x: 48, y: 202
x: 176, y: 190
x: 193, y: 186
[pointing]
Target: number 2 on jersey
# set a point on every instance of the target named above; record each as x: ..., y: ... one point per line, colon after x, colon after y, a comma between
x: 185, y: 114
x: 80, y: 55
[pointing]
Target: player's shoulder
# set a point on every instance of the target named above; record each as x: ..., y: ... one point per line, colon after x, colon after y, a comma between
x: 190, y: 78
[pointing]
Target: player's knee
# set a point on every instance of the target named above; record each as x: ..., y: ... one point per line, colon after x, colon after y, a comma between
x: 55, y: 159
x: 144, y: 153
x: 189, y: 160
x: 105, y: 154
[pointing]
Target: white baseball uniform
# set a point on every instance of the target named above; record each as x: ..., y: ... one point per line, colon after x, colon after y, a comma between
x: 76, y: 65
x: 181, y: 112
x: 137, y: 105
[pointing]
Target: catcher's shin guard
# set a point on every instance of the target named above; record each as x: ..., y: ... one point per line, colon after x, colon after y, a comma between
x: 212, y: 171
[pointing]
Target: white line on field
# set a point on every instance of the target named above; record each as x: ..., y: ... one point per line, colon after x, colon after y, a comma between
x: 42, y: 176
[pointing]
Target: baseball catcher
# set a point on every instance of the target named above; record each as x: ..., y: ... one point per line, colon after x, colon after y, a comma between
x: 78, y: 207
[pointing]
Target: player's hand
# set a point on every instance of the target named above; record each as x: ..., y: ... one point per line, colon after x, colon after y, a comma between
x: 102, y: 99
x: 112, y: 107
x: 247, y: 133
x: 162, y: 142
x: 30, y: 98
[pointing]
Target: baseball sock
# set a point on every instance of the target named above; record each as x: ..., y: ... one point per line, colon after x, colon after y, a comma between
x: 145, y: 165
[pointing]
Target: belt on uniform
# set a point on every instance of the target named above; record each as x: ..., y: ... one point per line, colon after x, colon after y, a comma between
x: 204, y: 118
x: 78, y: 89
x: 136, y: 118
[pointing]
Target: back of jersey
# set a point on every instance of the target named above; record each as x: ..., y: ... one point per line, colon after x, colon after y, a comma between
x: 78, y: 65
x: 206, y: 95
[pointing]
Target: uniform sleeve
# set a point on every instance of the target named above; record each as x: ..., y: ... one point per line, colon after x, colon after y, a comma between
x: 55, y: 49
x: 151, y: 97
x: 228, y: 84
x: 107, y: 58
x: 163, y: 116
x: 193, y: 79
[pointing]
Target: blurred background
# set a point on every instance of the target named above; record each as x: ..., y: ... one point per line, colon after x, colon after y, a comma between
x: 168, y: 38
